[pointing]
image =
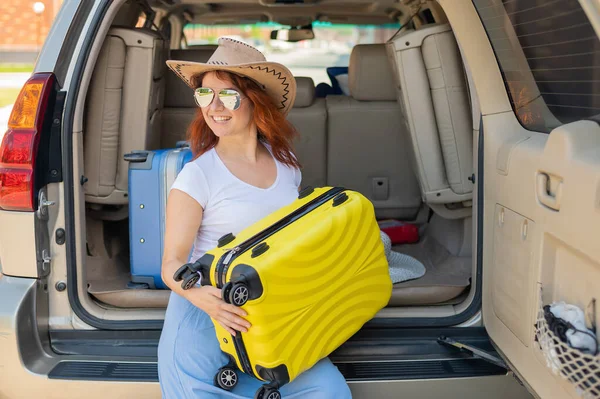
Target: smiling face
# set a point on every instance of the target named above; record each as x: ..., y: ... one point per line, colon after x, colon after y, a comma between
x: 222, y: 121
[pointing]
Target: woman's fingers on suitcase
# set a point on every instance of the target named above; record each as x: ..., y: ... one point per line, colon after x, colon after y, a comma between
x: 214, y: 291
x: 232, y: 322
x: 222, y: 305
x: 232, y: 325
x: 227, y: 315
x: 234, y: 309
x: 232, y: 328
x: 229, y: 330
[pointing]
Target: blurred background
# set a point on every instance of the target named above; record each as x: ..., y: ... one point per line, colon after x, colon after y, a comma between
x: 331, y: 46
x: 24, y: 25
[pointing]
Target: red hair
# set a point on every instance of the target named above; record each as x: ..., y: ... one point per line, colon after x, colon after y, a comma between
x: 271, y: 124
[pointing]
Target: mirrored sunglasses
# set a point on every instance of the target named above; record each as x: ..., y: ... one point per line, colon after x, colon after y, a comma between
x: 231, y: 99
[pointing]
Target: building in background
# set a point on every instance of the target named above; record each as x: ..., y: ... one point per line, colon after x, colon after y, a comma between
x: 22, y: 30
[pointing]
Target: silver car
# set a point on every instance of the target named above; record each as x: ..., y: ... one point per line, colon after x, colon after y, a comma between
x: 472, y: 125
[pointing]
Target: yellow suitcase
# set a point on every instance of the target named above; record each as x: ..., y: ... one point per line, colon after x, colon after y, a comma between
x: 309, y: 276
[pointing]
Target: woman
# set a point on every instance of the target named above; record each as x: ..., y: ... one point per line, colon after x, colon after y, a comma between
x: 244, y: 170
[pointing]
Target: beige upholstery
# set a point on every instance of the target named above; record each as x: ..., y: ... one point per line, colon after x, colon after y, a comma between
x: 309, y: 116
x: 367, y: 147
x: 124, y: 109
x: 435, y: 97
x: 370, y: 76
x: 180, y: 107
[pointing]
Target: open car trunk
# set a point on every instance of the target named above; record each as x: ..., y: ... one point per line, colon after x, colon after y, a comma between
x: 399, y: 135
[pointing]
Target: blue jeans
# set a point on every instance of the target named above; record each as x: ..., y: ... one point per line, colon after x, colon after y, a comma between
x: 189, y: 357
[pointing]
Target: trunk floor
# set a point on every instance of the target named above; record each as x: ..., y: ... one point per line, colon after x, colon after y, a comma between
x: 446, y: 277
x: 107, y: 283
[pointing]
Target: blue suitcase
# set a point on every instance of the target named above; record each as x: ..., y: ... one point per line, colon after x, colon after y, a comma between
x: 151, y: 175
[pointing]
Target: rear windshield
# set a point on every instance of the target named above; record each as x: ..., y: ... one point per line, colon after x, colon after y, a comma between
x: 549, y: 55
x: 331, y: 46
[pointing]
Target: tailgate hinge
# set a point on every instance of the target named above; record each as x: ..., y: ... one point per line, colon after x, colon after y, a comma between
x: 42, y: 236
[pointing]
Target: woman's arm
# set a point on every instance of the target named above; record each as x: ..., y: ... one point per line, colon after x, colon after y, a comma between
x: 184, y: 216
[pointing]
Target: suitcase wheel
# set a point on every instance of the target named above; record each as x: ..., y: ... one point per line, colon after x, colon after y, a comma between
x: 178, y: 276
x: 239, y: 294
x: 267, y: 392
x: 190, y: 280
x: 226, y: 290
x: 226, y: 378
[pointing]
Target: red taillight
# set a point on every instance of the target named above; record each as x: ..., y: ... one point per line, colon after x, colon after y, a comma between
x: 20, y: 144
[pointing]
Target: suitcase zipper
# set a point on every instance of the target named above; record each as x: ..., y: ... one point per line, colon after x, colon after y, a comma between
x: 229, y: 256
x: 222, y: 265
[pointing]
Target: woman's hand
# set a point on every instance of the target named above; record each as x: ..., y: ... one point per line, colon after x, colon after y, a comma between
x: 209, y: 299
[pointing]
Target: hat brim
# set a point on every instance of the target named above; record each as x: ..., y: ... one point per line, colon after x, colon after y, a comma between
x: 277, y: 80
x: 404, y: 268
x: 401, y: 267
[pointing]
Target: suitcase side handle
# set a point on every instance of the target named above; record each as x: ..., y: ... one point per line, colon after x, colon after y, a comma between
x: 136, y: 156
x: 340, y: 199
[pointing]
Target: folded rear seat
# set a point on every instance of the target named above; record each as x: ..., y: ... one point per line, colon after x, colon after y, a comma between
x: 367, y: 139
x: 180, y: 107
x: 435, y: 96
x: 309, y: 116
x: 434, y: 91
x: 123, y: 110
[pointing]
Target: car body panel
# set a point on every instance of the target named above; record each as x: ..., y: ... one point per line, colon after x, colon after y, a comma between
x: 18, y: 255
x: 532, y: 254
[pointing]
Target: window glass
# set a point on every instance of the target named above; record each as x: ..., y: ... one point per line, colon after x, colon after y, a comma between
x: 331, y: 46
x: 549, y: 55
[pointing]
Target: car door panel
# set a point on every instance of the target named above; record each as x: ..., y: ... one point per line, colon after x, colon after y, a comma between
x: 541, y: 235
x: 511, y: 270
x: 540, y: 238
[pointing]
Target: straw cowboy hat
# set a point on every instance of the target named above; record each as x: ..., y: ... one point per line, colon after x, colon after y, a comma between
x: 244, y: 60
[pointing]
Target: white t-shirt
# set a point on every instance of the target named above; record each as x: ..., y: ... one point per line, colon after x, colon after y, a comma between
x: 230, y: 204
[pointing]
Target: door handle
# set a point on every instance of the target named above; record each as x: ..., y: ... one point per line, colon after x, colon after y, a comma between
x: 548, y: 197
